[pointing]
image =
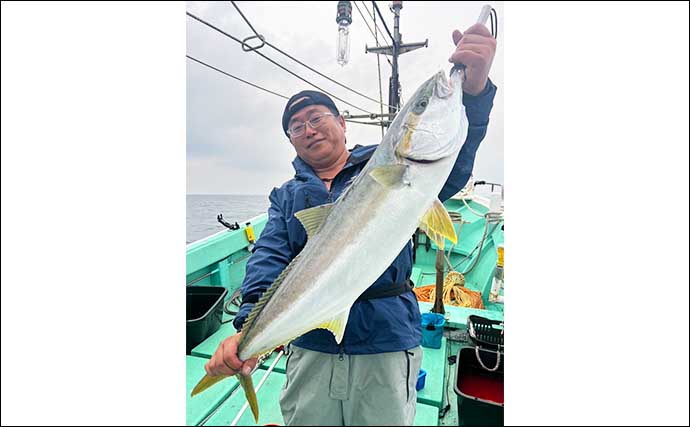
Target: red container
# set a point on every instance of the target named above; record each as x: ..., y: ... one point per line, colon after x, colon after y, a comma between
x: 479, y: 390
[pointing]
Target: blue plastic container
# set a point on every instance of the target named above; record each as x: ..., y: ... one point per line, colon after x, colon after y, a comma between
x: 432, y: 329
x: 421, y: 379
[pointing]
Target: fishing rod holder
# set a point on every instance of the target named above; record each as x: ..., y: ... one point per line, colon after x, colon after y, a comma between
x: 234, y: 226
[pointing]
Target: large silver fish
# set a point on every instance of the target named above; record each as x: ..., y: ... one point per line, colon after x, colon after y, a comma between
x: 351, y: 242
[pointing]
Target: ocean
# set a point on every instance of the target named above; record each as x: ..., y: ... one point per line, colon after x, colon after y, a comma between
x: 203, y: 210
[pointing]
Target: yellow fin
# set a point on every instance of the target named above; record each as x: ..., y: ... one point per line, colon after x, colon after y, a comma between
x: 312, y: 218
x: 206, y: 382
x: 389, y: 175
x: 249, y: 392
x: 437, y: 224
x: 337, y: 325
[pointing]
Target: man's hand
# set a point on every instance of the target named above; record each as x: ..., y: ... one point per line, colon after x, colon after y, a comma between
x: 225, y: 360
x: 475, y: 49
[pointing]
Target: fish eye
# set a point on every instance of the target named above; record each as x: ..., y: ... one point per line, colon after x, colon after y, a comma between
x: 423, y: 103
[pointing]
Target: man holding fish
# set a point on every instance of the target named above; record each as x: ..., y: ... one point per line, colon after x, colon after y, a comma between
x: 354, y: 325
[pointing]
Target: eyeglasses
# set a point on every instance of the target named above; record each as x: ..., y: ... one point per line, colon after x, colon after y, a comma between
x: 316, y: 121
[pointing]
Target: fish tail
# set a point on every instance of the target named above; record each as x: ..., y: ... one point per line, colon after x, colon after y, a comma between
x: 206, y: 382
x: 250, y: 394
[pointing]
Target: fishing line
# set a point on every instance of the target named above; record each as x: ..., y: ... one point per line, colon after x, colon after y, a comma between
x: 494, y: 21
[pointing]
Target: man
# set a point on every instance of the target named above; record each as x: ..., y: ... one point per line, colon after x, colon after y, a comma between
x: 370, y: 377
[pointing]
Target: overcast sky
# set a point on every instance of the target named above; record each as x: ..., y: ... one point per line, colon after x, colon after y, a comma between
x: 235, y: 142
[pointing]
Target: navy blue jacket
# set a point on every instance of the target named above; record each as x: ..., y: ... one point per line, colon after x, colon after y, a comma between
x: 375, y: 325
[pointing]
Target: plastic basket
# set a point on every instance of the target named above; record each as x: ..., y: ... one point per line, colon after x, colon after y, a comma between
x: 204, y: 313
x: 485, y: 333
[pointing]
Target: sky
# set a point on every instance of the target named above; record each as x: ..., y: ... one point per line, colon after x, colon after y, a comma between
x: 234, y: 139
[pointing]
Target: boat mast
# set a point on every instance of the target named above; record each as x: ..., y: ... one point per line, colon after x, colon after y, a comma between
x: 397, y: 49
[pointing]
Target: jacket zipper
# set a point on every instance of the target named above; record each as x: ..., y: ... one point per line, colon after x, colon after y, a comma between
x: 330, y: 190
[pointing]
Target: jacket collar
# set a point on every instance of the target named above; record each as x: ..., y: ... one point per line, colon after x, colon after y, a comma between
x: 358, y: 155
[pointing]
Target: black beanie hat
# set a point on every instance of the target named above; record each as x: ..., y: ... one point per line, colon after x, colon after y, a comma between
x: 311, y: 98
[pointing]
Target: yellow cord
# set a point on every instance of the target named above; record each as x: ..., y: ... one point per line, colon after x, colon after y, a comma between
x: 454, y: 292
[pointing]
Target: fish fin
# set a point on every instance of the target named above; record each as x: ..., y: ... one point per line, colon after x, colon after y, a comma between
x: 437, y: 224
x: 249, y: 392
x: 312, y: 218
x: 206, y: 382
x: 389, y: 175
x: 337, y: 325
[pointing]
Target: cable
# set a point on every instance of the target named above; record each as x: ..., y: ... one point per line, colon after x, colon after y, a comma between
x: 372, y: 32
x: 326, y: 77
x: 303, y: 64
x: 365, y: 22
x: 384, y: 23
x: 373, y: 18
x: 479, y: 214
x: 363, y: 123
x: 378, y: 60
x: 259, y: 87
x: 488, y: 217
x: 378, y: 67
x: 237, y: 78
x: 246, y: 20
x: 278, y: 65
x: 444, y: 410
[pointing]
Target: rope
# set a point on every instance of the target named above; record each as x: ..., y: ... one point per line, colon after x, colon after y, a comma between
x: 454, y: 292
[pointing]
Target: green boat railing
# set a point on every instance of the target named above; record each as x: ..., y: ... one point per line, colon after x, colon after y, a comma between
x: 220, y: 260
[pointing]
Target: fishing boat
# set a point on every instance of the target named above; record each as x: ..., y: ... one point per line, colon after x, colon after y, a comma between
x: 459, y: 292
x: 461, y: 380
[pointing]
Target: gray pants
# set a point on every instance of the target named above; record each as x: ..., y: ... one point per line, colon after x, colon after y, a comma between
x: 333, y: 390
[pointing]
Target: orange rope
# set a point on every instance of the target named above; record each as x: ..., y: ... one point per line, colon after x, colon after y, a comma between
x: 454, y: 292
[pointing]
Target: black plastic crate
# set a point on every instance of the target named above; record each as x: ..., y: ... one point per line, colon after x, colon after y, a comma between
x: 485, y: 333
x: 479, y: 389
x: 204, y: 313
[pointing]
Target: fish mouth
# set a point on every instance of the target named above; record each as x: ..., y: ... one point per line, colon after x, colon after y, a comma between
x: 444, y: 86
x: 422, y: 161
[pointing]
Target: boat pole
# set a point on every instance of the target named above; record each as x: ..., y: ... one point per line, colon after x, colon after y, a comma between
x: 258, y: 386
x: 438, y: 301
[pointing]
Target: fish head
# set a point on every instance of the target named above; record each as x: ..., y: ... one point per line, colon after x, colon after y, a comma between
x: 432, y: 125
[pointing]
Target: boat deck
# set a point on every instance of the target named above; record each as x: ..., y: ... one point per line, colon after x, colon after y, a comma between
x: 219, y: 405
x: 208, y: 263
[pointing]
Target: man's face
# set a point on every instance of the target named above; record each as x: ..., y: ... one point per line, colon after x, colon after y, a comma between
x: 322, y: 146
